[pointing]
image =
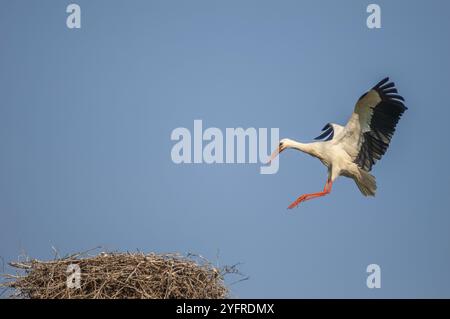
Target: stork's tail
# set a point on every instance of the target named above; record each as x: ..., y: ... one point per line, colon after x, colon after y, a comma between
x: 366, y: 183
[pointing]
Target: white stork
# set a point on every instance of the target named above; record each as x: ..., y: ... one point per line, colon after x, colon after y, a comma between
x: 353, y: 149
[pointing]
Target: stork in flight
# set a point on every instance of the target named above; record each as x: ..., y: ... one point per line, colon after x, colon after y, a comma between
x: 353, y: 149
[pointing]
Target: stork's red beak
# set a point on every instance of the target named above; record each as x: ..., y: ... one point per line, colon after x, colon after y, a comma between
x: 275, y: 153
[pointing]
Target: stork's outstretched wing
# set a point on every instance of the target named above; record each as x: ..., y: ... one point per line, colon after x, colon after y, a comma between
x: 369, y: 131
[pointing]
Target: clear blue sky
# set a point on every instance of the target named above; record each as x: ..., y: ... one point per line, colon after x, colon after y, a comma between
x: 86, y: 117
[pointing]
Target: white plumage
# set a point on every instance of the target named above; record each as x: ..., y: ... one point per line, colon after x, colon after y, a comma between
x: 353, y: 149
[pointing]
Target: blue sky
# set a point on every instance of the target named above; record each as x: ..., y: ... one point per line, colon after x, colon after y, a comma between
x: 86, y: 117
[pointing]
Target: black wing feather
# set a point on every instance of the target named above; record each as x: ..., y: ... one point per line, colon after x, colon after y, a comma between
x: 328, y: 133
x: 385, y: 117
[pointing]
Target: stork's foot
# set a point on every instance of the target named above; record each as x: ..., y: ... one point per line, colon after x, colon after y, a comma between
x: 298, y: 201
x: 305, y: 197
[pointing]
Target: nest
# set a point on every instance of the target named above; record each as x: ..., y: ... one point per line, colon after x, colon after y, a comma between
x: 119, y: 276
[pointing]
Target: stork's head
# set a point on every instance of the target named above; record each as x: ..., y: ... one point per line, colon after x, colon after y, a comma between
x: 284, y: 144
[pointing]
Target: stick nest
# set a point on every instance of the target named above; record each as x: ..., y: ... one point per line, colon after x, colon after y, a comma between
x: 120, y: 276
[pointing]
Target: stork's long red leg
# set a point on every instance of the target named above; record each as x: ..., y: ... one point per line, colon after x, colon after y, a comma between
x: 305, y: 197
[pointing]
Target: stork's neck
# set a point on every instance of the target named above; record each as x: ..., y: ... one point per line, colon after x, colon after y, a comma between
x: 308, y: 148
